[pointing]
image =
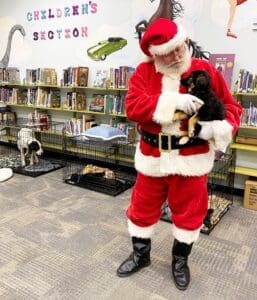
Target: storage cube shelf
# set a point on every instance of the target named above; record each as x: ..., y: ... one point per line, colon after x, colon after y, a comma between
x: 245, y: 141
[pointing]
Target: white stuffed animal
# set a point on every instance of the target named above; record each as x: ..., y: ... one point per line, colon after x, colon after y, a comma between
x: 29, y: 146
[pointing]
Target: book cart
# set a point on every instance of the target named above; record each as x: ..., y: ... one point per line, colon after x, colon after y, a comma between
x: 50, y: 138
x: 101, y: 166
x: 220, y: 190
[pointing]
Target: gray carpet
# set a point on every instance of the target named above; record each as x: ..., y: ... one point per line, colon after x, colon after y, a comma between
x: 59, y: 241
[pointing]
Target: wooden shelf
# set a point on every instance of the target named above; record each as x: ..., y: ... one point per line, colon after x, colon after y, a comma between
x: 6, y: 84
x: 248, y: 127
x: 125, y: 155
x: 245, y: 147
x: 246, y: 171
x: 94, y: 153
x: 245, y: 94
x: 89, y: 112
x: 117, y: 115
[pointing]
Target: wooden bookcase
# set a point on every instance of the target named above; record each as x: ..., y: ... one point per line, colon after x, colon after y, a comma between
x: 245, y: 140
x: 107, y: 115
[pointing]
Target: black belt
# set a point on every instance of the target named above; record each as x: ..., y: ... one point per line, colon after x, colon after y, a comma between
x: 168, y: 142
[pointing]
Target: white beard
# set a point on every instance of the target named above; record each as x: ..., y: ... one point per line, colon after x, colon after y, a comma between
x: 175, y: 69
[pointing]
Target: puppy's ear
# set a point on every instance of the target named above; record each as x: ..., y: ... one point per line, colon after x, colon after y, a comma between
x: 200, y: 81
x: 203, y: 81
x: 186, y: 81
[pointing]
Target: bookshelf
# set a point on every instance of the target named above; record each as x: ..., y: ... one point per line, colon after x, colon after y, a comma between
x: 111, y: 112
x: 246, y: 171
x: 245, y: 141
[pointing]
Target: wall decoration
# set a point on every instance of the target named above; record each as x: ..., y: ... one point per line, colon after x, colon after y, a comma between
x: 53, y: 14
x: 232, y: 12
x: 5, y: 60
x: 171, y: 9
x: 168, y: 9
x: 225, y: 64
x: 106, y: 47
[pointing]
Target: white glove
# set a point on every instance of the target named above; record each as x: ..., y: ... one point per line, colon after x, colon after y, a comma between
x: 206, y: 132
x: 188, y: 103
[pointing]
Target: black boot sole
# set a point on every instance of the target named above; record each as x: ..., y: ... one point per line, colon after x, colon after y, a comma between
x: 132, y: 272
x: 181, y: 288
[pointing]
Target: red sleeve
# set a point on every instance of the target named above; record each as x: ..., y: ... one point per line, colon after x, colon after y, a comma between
x: 139, y: 103
x: 233, y: 108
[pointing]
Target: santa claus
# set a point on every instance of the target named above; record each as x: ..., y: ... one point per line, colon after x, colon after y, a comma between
x: 167, y: 169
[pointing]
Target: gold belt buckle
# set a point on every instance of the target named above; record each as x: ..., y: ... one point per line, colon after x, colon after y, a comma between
x: 160, y: 135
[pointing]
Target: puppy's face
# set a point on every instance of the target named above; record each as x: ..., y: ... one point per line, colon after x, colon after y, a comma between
x: 197, y: 81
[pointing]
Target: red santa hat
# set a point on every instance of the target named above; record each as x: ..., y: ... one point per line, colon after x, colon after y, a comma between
x: 161, y: 37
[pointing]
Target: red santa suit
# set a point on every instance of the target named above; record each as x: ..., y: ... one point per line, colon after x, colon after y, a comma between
x: 179, y: 175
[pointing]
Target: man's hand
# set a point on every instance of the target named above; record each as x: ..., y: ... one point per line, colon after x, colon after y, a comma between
x: 188, y: 103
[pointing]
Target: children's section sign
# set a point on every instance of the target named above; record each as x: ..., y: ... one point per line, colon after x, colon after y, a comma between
x: 60, y: 15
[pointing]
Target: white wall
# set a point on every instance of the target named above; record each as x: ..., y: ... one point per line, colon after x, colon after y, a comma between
x: 209, y: 28
x: 112, y: 18
x: 205, y: 20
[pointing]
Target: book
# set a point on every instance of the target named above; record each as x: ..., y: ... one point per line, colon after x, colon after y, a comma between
x: 87, y: 122
x: 97, y: 103
x: 80, y: 103
x: 225, y: 64
x: 55, y: 99
x: 82, y: 76
x: 13, y: 75
x: 49, y: 76
x: 101, y: 78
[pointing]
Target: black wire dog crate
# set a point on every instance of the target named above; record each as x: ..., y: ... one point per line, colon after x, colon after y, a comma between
x: 26, y: 146
x: 220, y: 190
x: 97, y: 165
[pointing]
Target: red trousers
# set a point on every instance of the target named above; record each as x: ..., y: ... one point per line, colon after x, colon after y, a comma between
x: 187, y: 198
x: 240, y: 2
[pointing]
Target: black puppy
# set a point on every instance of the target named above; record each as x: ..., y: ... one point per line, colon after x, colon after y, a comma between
x: 199, y: 85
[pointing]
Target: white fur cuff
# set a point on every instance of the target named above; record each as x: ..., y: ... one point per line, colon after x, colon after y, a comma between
x: 222, y: 133
x: 185, y: 236
x: 219, y: 132
x: 140, y: 232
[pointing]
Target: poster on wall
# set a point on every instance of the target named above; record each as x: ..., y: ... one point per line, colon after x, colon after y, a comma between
x: 225, y: 64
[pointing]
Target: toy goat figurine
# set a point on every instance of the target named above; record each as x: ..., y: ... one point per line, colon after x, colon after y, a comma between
x: 168, y: 9
x: 30, y: 148
x: 171, y: 9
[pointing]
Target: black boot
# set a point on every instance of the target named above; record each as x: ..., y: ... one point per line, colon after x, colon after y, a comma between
x: 138, y: 259
x: 180, y: 270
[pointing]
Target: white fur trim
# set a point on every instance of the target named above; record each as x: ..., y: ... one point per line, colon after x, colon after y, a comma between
x: 167, y: 101
x: 140, y: 232
x: 222, y: 133
x: 167, y: 47
x: 184, y: 235
x: 165, y: 108
x: 173, y: 163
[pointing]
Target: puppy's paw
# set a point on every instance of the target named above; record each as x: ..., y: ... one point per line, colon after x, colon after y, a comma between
x: 183, y: 140
x: 191, y: 133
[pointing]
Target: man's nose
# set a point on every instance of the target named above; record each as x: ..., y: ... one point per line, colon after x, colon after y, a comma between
x: 176, y: 56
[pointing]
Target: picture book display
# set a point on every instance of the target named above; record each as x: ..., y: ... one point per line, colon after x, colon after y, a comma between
x: 225, y: 64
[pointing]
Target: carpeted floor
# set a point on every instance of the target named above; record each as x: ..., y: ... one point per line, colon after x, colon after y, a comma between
x: 59, y: 241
